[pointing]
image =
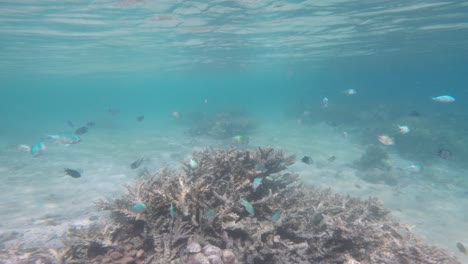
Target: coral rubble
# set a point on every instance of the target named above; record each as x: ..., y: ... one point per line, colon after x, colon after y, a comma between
x: 212, y: 214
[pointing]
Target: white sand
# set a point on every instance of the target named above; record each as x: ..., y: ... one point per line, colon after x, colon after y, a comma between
x: 38, y: 201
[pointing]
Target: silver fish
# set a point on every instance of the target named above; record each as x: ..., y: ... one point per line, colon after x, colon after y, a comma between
x: 65, y: 138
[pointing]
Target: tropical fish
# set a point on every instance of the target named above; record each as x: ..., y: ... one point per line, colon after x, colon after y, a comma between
x: 171, y: 211
x: 137, y: 163
x: 332, y: 123
x: 307, y: 160
x: 82, y: 130
x: 138, y: 208
x: 403, y: 129
x: 193, y: 164
x: 386, y: 140
x: 414, y: 113
x: 90, y: 124
x: 414, y: 168
x: 248, y: 206
x: 332, y: 158
x: 239, y: 139
x: 444, y: 153
x: 325, y: 102
x: 73, y: 173
x: 65, y: 138
x: 276, y: 216
x: 256, y: 183
x: 113, y: 111
x: 176, y: 115
x: 140, y: 118
x: 444, y: 99
x: 462, y: 248
x: 70, y: 123
x: 23, y: 148
x: 350, y: 92
x: 211, y: 214
x: 38, y: 149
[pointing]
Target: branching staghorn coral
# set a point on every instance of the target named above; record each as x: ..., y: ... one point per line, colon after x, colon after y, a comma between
x: 213, y: 212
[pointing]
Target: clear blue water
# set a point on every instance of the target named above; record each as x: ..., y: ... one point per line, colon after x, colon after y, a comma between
x: 74, y: 60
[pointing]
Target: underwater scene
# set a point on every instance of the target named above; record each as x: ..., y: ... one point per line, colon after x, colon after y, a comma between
x: 233, y: 131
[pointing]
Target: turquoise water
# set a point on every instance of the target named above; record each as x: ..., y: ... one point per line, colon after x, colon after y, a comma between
x: 269, y: 61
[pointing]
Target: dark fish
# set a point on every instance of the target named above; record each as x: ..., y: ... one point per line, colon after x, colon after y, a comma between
x: 90, y: 124
x: 81, y: 130
x: 73, y: 173
x: 414, y: 113
x: 462, y: 248
x: 332, y: 159
x: 137, y: 163
x: 332, y: 123
x: 444, y: 153
x: 307, y: 160
x: 70, y: 123
x: 113, y: 111
x: 140, y: 118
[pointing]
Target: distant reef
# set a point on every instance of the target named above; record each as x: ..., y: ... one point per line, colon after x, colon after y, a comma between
x: 237, y: 206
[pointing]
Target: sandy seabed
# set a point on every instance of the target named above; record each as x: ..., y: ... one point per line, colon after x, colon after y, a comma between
x: 38, y: 201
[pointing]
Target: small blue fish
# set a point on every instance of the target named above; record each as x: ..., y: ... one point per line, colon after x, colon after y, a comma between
x: 171, y: 211
x: 444, y: 99
x: 276, y: 216
x: 248, y: 206
x: 138, y: 208
x: 65, y: 138
x: 193, y: 164
x: 210, y: 215
x: 38, y: 149
x: 256, y: 183
x: 70, y: 123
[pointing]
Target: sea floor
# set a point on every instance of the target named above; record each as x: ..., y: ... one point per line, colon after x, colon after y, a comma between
x: 38, y: 202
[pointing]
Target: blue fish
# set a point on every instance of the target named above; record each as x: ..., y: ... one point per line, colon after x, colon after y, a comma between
x: 138, y: 208
x: 211, y: 214
x: 248, y: 207
x: 65, y: 138
x: 38, y: 149
x: 276, y: 216
x: 256, y: 183
x: 171, y: 211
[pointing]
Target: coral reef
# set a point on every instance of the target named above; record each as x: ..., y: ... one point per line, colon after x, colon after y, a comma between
x: 221, y: 125
x: 213, y: 214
